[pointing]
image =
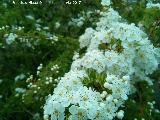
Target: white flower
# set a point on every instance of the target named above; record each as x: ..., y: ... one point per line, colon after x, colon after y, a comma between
x: 20, y: 90
x: 29, y: 17
x: 126, y: 77
x: 103, y: 94
x: 107, y: 85
x: 19, y: 77
x: 106, y: 2
x: 92, y: 59
x: 57, y: 25
x: 151, y: 5
x: 45, y: 117
x: 109, y: 98
x: 77, y: 113
x: 56, y: 110
x: 11, y: 38
x: 80, y: 23
x: 85, y: 39
x: 120, y: 114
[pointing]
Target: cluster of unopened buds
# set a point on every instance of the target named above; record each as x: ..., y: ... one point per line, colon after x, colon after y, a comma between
x: 39, y: 68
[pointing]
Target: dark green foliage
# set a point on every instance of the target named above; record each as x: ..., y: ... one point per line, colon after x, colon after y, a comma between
x: 19, y: 59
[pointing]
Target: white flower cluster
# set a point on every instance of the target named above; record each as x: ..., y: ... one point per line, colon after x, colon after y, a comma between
x: 152, y: 107
x: 34, y: 86
x: 77, y: 21
x: 30, y: 17
x: 52, y: 37
x: 106, y: 2
x: 82, y: 17
x: 19, y: 91
x: 121, y: 42
x: 11, y: 38
x: 55, y: 68
x: 57, y: 25
x: 19, y: 77
x: 86, y: 103
x: 29, y: 40
x: 4, y: 27
x: 152, y: 5
x: 39, y: 68
x: 13, y: 27
x: 118, y: 54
